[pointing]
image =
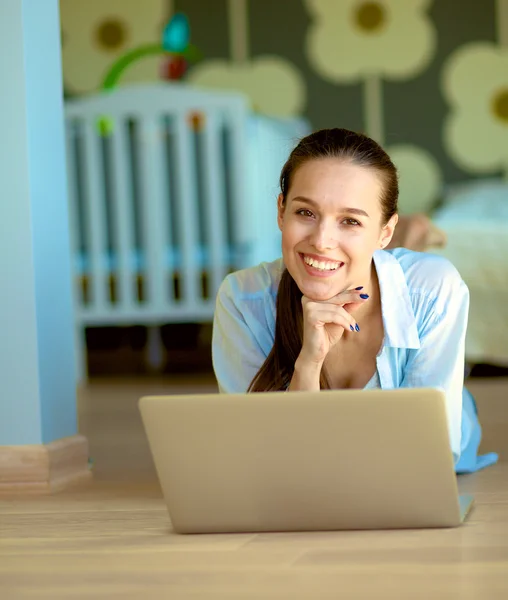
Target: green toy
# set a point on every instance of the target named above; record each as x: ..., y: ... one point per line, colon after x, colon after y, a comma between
x: 175, y: 45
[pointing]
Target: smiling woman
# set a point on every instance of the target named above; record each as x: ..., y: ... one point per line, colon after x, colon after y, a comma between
x: 340, y: 310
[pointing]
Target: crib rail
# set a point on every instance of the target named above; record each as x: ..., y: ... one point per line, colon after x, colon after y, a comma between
x: 153, y: 226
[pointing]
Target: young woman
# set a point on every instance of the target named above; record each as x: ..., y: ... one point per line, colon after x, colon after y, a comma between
x: 339, y: 310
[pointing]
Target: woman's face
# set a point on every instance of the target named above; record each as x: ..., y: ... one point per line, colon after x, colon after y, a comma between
x: 331, y: 225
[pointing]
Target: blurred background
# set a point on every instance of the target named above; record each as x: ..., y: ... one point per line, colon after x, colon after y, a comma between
x: 427, y: 79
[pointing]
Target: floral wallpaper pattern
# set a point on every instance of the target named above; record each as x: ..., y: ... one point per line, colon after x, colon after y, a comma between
x: 96, y: 32
x: 352, y: 39
x: 475, y: 82
x: 427, y: 80
x: 274, y: 85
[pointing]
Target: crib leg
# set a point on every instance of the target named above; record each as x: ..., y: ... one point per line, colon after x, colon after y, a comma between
x: 154, y: 349
x: 468, y: 367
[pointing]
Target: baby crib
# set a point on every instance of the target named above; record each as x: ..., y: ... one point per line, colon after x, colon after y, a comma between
x: 170, y: 188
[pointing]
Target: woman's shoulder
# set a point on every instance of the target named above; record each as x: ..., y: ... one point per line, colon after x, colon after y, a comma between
x: 424, y: 267
x: 429, y: 275
x: 254, y: 283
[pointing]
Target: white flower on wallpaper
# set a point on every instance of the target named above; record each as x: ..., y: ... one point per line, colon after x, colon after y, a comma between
x: 274, y: 86
x: 420, y: 178
x: 95, y: 33
x: 475, y: 83
x: 351, y: 39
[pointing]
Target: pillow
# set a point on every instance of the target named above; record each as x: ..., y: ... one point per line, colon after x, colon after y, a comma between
x: 464, y: 189
x: 474, y: 202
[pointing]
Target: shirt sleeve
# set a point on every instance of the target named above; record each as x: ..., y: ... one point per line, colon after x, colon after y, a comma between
x: 238, y: 350
x: 439, y: 362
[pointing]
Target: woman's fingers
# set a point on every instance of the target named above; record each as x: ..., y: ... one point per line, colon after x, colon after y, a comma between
x: 316, y: 313
x: 349, y: 297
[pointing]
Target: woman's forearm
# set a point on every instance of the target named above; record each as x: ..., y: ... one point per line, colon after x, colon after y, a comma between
x: 305, y: 376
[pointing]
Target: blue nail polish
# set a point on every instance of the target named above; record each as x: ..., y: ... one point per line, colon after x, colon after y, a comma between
x: 359, y: 288
x: 357, y: 328
x: 364, y: 296
x: 351, y: 327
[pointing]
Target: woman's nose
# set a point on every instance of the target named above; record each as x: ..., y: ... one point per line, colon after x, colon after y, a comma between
x: 324, y: 236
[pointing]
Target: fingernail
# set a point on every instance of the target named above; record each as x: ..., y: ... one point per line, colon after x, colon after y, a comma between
x: 351, y: 327
x: 364, y: 296
x: 359, y: 288
x: 357, y: 328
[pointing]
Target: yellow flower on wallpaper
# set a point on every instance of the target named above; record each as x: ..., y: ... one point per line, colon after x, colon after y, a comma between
x: 475, y: 83
x: 420, y: 178
x: 95, y: 33
x: 351, y: 39
x: 273, y: 85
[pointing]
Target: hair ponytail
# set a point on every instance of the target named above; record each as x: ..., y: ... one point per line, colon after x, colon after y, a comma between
x: 277, y: 370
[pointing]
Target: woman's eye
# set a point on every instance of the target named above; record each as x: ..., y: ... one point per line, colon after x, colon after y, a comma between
x: 352, y: 222
x: 304, y: 212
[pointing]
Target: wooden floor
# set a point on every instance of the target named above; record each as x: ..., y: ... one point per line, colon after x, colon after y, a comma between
x: 112, y: 539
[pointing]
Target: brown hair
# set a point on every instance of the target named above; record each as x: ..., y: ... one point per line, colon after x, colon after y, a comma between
x: 277, y: 370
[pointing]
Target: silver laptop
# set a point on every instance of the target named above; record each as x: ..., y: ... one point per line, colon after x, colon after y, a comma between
x: 304, y: 461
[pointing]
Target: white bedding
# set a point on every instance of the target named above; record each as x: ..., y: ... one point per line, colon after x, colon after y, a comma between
x: 476, y: 224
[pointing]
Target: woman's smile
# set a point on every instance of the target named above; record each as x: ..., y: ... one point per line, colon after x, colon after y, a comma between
x: 320, y: 266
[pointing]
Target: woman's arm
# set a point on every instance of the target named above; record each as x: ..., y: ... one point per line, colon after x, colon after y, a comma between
x: 439, y: 362
x: 238, y: 340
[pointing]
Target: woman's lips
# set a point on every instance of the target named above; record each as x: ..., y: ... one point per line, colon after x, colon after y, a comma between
x: 317, y: 269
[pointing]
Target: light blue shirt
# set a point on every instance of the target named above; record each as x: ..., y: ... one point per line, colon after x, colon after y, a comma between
x: 424, y: 304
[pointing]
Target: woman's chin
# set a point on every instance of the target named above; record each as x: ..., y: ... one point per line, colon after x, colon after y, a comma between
x: 320, y: 292
x: 318, y: 289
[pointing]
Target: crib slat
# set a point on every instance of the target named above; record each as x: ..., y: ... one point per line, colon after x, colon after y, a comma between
x: 123, y: 215
x: 154, y: 208
x: 80, y: 357
x: 186, y: 201
x: 72, y: 201
x: 241, y: 207
x: 214, y: 195
x: 95, y: 207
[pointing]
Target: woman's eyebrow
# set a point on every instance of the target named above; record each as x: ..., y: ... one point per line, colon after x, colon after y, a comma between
x: 354, y: 211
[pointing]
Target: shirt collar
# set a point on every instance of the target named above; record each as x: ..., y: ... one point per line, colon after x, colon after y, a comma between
x: 398, y: 317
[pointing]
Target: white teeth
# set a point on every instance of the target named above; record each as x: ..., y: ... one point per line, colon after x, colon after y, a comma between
x: 321, y: 265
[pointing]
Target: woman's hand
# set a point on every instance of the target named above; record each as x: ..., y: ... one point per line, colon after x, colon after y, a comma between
x: 324, y: 324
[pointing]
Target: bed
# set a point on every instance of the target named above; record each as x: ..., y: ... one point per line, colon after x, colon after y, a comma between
x: 474, y: 217
x: 170, y: 188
